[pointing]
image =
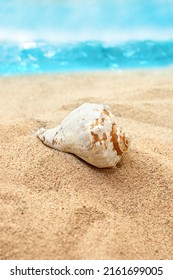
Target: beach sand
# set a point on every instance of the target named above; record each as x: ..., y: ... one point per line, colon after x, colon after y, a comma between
x: 54, y: 205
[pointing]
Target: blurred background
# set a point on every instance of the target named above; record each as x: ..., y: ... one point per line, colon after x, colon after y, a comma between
x: 38, y: 36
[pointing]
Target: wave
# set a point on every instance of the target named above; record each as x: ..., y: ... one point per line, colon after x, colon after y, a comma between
x: 20, y: 36
x: 43, y: 57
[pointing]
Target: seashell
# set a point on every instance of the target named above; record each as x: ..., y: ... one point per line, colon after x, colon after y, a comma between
x: 90, y: 132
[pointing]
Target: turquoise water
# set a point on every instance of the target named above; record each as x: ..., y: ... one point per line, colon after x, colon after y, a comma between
x: 42, y: 36
x: 43, y: 57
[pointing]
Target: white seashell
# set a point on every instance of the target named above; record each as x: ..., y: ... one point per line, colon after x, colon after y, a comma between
x: 90, y: 132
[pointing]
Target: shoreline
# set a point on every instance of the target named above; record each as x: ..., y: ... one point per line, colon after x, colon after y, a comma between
x: 153, y: 69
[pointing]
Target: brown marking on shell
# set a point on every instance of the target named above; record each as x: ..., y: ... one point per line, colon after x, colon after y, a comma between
x: 97, y: 122
x: 54, y: 142
x: 104, y: 137
x: 124, y: 141
x: 106, y: 112
x: 97, y: 139
x: 102, y: 121
x: 114, y: 139
x: 43, y: 138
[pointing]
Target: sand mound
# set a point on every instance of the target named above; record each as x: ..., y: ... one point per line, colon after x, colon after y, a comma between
x: 54, y: 205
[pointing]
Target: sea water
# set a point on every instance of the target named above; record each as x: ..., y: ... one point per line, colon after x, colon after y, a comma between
x: 45, y: 36
x: 44, y: 57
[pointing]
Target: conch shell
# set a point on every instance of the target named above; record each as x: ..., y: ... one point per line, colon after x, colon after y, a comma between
x: 91, y: 133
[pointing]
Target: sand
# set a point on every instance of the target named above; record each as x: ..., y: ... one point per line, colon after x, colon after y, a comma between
x: 54, y: 205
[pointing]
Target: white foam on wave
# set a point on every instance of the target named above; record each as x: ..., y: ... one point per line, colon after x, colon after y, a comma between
x: 49, y: 54
x: 28, y: 39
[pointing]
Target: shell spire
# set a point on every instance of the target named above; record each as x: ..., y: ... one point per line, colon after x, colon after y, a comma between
x: 91, y: 132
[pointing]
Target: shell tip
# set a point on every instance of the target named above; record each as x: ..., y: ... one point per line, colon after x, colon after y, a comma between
x: 39, y: 132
